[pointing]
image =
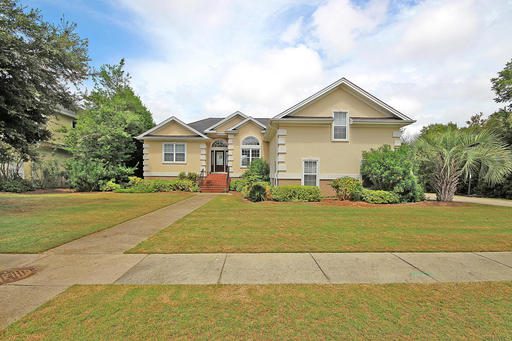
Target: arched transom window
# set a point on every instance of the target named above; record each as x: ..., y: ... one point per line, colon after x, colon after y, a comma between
x: 219, y: 143
x: 250, y: 150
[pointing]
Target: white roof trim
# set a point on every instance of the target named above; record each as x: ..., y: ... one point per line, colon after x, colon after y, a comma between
x: 66, y: 112
x: 328, y: 89
x: 248, y: 119
x: 211, y: 129
x: 170, y: 119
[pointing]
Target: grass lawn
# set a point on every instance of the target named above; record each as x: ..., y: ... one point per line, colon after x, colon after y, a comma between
x: 32, y: 223
x: 231, y: 224
x: 277, y: 312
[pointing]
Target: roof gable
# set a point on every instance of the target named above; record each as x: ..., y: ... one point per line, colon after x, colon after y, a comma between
x: 353, y: 90
x: 247, y: 120
x: 213, y: 128
x: 165, y: 129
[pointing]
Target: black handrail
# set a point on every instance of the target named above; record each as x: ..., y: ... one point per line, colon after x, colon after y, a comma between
x: 200, y: 179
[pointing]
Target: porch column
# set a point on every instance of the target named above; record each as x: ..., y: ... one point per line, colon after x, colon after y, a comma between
x: 202, y: 156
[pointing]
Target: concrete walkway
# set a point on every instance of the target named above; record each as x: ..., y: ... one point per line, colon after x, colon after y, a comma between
x: 94, y: 259
x: 127, y: 235
x: 476, y: 200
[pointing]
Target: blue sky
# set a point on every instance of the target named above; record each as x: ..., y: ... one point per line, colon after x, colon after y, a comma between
x: 430, y: 59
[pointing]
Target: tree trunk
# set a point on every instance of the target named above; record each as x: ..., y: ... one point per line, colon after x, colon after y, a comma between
x: 445, y: 182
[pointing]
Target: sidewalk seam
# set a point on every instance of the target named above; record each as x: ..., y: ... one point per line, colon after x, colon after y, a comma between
x: 414, y: 266
x: 124, y: 273
x: 222, y: 268
x: 494, y: 260
x: 322, y: 270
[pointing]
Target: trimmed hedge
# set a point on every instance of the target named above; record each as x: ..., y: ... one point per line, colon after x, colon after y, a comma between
x: 295, y: 193
x: 379, y: 197
x: 347, y: 188
x: 151, y: 186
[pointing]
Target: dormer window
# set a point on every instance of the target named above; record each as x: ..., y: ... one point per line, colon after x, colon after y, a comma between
x: 340, y: 126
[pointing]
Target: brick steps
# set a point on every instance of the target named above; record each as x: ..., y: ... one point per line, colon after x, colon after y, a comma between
x: 215, y: 183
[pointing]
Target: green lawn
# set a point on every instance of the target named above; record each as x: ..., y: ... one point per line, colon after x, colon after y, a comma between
x: 273, y: 312
x: 230, y: 224
x: 37, y: 222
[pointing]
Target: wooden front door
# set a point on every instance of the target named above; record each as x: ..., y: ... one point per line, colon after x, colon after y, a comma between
x: 219, y: 161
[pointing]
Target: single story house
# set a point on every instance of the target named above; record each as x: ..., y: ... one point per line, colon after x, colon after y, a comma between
x: 315, y: 141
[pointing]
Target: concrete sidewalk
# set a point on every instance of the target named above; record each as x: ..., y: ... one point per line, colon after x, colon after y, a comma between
x: 56, y: 272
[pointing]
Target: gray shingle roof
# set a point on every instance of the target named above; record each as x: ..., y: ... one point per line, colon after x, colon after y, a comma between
x: 204, y: 124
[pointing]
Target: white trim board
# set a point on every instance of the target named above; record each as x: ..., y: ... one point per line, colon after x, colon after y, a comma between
x: 248, y: 119
x: 170, y: 119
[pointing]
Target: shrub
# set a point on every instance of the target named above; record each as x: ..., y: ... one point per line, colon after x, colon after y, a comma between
x: 379, y: 197
x: 87, y: 176
x: 134, y: 180
x: 151, y: 186
x: 237, y: 185
x: 258, y: 191
x: 259, y: 170
x: 192, y: 176
x: 109, y: 186
x: 295, y: 193
x: 16, y: 185
x: 182, y: 175
x: 392, y: 170
x: 347, y: 188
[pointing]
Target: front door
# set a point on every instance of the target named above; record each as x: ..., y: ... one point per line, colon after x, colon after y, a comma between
x: 219, y: 161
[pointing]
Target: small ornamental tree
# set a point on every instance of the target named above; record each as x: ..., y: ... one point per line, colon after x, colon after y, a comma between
x: 392, y: 170
x: 456, y: 154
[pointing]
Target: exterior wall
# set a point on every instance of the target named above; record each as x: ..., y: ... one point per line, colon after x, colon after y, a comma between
x: 336, y: 159
x: 160, y: 177
x: 153, y: 159
x: 340, y: 100
x: 249, y: 129
x: 58, y: 126
x: 173, y: 129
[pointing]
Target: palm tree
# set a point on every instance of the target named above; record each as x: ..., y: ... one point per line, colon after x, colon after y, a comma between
x: 454, y: 154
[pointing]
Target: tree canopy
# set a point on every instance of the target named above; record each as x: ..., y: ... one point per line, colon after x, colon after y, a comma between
x: 102, y: 144
x: 40, y: 63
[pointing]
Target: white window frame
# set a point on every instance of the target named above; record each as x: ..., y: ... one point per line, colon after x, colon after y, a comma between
x: 174, y: 153
x: 251, y: 147
x: 347, y: 125
x: 317, y: 170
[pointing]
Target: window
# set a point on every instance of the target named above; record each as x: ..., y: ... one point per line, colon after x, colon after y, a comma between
x: 340, y: 126
x: 73, y: 124
x: 220, y: 144
x: 310, y: 173
x: 250, y: 150
x: 174, y: 153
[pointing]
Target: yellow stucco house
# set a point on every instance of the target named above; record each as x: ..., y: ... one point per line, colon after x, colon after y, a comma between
x: 313, y: 142
x: 53, y: 149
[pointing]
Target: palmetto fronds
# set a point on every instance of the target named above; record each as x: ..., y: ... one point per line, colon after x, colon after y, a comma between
x: 454, y: 153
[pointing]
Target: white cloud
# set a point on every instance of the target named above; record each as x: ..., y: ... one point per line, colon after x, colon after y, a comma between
x: 337, y: 24
x: 431, y: 60
x: 269, y: 83
x: 293, y: 32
